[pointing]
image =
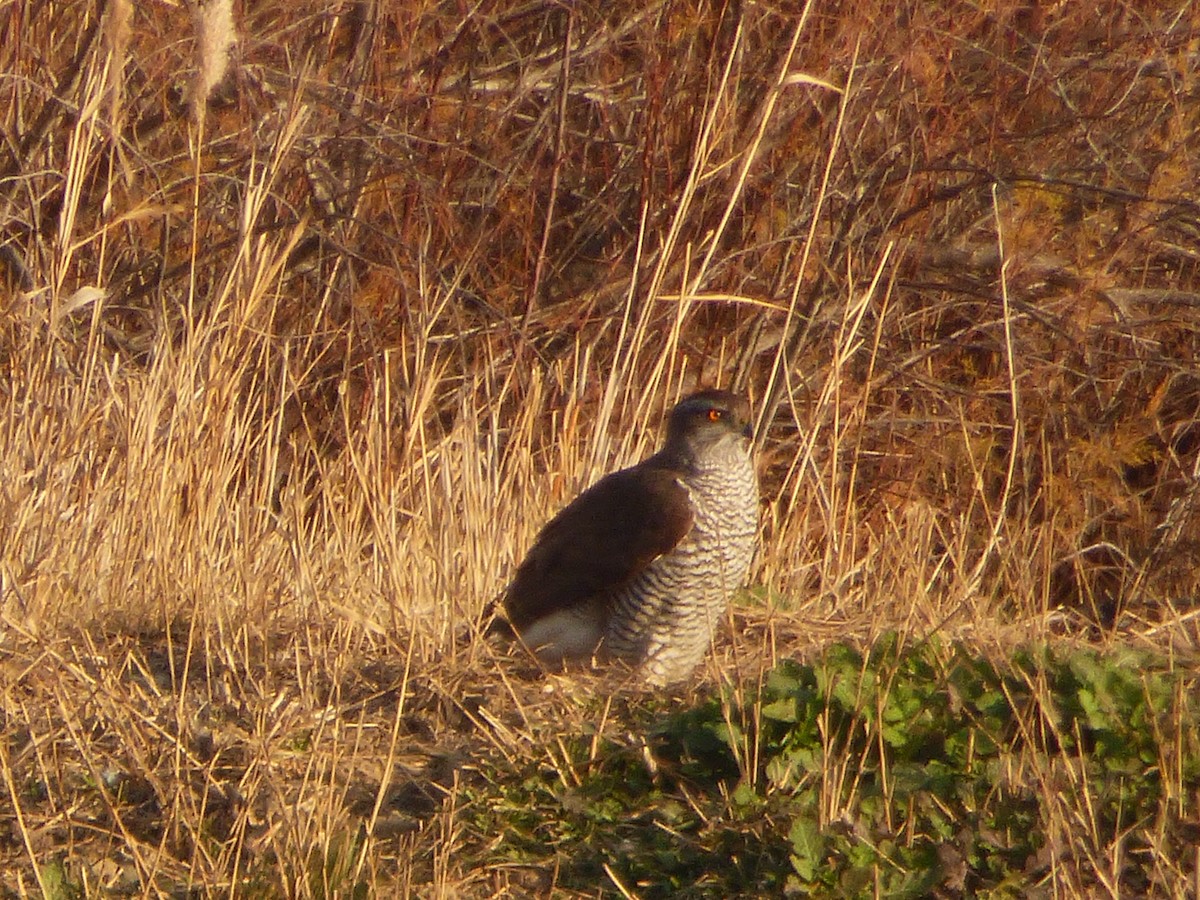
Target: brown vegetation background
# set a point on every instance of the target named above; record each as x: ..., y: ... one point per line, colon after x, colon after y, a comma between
x: 312, y: 313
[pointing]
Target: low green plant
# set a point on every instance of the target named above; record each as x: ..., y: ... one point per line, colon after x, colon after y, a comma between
x: 902, y: 772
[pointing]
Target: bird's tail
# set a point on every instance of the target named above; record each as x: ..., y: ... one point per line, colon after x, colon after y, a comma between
x: 493, y: 624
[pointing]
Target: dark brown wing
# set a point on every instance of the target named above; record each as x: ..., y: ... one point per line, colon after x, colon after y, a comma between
x: 605, y: 536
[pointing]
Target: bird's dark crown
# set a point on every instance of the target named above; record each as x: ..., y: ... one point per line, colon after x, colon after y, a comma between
x: 709, y: 415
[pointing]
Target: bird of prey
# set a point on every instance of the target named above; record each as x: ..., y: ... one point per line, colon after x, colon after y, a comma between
x: 641, y: 565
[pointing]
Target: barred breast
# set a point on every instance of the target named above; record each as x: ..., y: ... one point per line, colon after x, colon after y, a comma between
x: 665, y: 618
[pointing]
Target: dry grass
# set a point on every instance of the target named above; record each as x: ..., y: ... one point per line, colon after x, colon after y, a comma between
x: 291, y: 377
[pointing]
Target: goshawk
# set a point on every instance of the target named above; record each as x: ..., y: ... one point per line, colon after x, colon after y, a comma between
x: 641, y: 565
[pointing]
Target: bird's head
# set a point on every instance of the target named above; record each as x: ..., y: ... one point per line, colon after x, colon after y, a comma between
x: 708, y: 419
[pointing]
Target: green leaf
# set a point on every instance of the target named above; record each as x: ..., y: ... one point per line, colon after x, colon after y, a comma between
x: 808, y: 848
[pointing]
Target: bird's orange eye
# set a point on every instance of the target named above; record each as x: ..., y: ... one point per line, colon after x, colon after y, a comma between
x: 714, y: 415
